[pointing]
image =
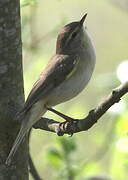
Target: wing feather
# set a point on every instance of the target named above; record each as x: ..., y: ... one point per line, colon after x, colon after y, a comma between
x: 58, y: 69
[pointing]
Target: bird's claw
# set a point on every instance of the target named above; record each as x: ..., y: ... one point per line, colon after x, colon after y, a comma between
x: 67, y: 127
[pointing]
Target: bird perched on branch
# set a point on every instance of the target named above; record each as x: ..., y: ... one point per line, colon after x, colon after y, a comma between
x: 65, y: 76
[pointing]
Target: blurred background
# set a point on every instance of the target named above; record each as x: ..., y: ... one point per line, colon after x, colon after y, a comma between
x: 101, y: 153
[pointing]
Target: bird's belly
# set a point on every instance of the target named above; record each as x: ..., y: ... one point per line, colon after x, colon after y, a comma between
x: 70, y: 87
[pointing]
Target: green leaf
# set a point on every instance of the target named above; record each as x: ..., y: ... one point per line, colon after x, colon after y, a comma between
x: 68, y: 144
x: 54, y: 158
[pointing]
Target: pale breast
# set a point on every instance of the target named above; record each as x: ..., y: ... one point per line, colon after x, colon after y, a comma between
x: 72, y: 86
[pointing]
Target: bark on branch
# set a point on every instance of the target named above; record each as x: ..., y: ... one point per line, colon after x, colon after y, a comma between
x: 86, y: 123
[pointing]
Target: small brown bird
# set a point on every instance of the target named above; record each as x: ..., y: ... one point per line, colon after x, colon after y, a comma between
x: 65, y: 76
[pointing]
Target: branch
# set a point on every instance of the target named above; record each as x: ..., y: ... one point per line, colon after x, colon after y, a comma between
x: 86, y: 123
x: 32, y: 168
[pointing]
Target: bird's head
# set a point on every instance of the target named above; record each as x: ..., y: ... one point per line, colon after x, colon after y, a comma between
x: 70, y: 37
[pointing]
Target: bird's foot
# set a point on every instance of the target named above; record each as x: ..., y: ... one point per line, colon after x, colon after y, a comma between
x: 67, y: 127
x: 69, y: 123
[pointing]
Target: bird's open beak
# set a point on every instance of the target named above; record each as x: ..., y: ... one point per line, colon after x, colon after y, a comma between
x: 82, y: 20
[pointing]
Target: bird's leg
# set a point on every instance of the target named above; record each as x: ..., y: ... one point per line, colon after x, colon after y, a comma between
x: 67, y: 118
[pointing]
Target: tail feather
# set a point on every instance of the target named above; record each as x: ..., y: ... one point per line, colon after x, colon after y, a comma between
x: 21, y: 134
x: 19, y: 116
x: 27, y: 120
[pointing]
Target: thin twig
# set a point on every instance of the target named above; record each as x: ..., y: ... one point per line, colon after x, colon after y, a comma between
x: 87, y: 122
x: 32, y: 168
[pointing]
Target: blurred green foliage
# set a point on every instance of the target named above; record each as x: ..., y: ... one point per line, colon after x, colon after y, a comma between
x: 27, y: 2
x: 103, y: 150
x: 60, y: 158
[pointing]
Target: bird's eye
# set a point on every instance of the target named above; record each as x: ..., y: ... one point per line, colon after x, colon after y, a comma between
x: 74, y: 35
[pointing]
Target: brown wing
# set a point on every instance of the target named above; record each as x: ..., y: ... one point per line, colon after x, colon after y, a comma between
x: 59, y: 67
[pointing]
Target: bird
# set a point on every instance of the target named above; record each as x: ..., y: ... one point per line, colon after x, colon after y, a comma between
x: 65, y: 76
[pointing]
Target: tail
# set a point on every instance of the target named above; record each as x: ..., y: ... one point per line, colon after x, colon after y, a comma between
x: 21, y: 134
